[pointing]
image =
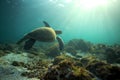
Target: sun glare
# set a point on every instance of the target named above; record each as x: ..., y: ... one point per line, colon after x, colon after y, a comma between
x: 85, y: 4
x: 90, y: 4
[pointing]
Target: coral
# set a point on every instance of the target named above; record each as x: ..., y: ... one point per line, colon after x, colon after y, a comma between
x: 2, y: 53
x: 66, y: 70
x: 113, y: 55
x: 62, y: 57
x: 87, y: 60
x: 104, y: 70
x: 80, y: 71
x: 85, y: 64
x: 36, y: 69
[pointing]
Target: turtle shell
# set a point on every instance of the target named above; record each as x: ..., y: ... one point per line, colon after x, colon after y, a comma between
x: 44, y: 34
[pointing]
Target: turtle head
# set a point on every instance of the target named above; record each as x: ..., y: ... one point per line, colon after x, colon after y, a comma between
x: 58, y: 32
x: 47, y: 25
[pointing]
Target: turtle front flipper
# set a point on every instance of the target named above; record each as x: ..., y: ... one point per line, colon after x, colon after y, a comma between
x: 29, y: 43
x: 61, y: 43
x: 23, y: 39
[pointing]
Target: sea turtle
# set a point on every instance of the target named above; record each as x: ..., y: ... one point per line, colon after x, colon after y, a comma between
x: 44, y: 34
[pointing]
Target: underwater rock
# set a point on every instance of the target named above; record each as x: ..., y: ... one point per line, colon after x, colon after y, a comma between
x: 7, y: 46
x: 104, y: 70
x: 97, y: 49
x: 66, y: 70
x: 101, y: 46
x: 36, y: 69
x: 8, y: 72
x: 33, y: 51
x: 118, y: 60
x: 80, y: 44
x: 2, y: 53
x: 16, y: 63
x: 116, y: 46
x: 71, y: 50
x: 53, y: 51
x: 1, y: 46
x: 112, y: 55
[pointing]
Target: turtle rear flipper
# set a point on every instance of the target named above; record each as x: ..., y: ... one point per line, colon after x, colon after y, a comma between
x: 61, y: 43
x: 29, y: 43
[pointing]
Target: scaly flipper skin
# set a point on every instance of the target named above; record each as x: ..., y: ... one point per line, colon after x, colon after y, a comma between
x: 22, y: 40
x: 61, y: 43
x: 29, y: 43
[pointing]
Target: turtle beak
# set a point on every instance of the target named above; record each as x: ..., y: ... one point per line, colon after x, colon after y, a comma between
x: 58, y: 32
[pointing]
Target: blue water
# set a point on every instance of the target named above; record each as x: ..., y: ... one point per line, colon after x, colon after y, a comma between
x: 97, y: 25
